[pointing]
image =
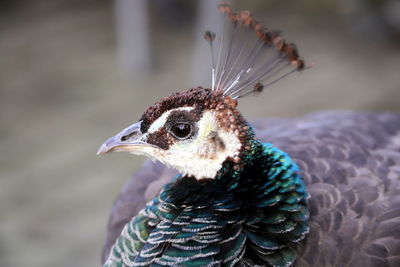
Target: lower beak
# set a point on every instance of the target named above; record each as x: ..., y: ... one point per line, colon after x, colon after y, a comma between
x: 129, y: 140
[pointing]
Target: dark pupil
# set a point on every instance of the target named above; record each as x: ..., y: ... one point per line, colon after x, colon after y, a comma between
x: 181, y: 130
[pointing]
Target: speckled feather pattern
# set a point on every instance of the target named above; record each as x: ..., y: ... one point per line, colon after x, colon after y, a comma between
x: 256, y: 214
x: 350, y: 163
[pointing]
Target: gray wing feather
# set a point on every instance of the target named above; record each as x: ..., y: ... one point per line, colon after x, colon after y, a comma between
x: 351, y: 164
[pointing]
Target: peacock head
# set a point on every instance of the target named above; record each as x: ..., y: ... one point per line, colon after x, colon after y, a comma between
x: 197, y: 130
x: 194, y: 131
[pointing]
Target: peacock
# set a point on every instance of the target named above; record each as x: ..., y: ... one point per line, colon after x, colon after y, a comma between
x: 236, y: 199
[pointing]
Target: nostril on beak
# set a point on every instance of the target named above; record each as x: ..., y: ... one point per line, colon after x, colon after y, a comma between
x: 127, y: 137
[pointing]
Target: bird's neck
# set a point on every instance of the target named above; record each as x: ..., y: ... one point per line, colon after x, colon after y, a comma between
x: 264, y: 173
x: 237, y: 175
x: 265, y: 196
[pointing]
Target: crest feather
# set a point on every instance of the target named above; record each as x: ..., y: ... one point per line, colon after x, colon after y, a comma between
x: 250, y: 57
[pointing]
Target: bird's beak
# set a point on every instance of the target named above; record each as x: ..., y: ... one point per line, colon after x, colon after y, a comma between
x: 130, y: 140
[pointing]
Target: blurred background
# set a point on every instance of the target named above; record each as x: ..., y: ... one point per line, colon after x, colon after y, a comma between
x: 75, y: 72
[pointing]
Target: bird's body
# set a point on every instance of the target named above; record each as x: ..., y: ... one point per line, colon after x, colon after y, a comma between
x: 350, y: 164
x: 240, y: 201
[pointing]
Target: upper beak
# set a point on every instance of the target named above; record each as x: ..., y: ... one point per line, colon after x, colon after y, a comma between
x: 130, y: 139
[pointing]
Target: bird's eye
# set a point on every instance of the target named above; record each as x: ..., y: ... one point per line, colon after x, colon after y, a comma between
x: 181, y: 130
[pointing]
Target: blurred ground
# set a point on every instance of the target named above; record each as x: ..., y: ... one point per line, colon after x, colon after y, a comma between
x: 62, y: 95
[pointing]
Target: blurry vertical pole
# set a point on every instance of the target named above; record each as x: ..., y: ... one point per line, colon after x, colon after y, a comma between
x: 208, y: 18
x: 132, y: 36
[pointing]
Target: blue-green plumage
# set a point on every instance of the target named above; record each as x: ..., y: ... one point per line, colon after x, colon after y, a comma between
x: 253, y: 215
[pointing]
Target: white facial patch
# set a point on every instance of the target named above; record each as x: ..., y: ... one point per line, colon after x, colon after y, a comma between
x: 201, y: 156
x: 160, y: 122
